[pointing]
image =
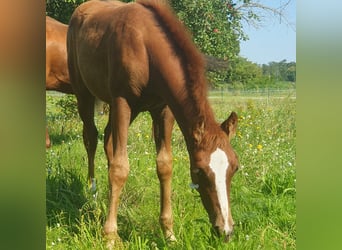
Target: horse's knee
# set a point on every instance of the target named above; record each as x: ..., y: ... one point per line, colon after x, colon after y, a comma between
x: 118, y: 171
x: 164, y: 165
x: 166, y: 221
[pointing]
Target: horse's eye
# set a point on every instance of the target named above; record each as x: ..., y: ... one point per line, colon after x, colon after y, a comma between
x: 196, y: 170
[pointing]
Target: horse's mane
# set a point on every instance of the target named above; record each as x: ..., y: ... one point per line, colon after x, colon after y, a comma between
x: 192, y: 59
x: 194, y: 66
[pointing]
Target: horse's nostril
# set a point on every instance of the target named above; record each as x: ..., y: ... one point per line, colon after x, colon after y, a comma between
x: 217, y: 230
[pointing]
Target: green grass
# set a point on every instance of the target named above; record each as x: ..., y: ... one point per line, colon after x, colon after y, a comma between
x: 263, y: 191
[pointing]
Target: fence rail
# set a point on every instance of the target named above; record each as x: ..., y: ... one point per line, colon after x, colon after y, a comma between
x: 269, y: 93
x: 221, y: 93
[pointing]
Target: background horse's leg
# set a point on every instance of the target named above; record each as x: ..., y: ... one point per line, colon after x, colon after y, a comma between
x: 86, y: 110
x: 163, y: 121
x: 47, y: 139
x: 118, y: 167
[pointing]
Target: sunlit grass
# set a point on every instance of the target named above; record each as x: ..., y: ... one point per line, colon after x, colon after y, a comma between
x: 263, y: 190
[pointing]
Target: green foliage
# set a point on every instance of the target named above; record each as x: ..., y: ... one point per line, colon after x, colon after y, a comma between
x: 244, y: 71
x: 68, y: 106
x: 64, y: 105
x: 263, y: 190
x: 215, y: 25
x: 61, y: 10
x: 281, y: 71
x: 248, y: 75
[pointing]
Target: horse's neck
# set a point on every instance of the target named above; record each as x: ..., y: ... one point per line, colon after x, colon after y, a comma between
x: 192, y: 115
x: 182, y: 86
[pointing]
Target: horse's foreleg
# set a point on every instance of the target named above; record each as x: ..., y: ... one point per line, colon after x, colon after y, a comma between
x: 117, y: 156
x: 162, y: 126
x: 86, y: 111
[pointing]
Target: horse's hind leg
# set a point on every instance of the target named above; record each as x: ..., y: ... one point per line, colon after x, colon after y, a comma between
x: 108, y: 143
x: 86, y: 104
x: 118, y: 166
x: 162, y: 127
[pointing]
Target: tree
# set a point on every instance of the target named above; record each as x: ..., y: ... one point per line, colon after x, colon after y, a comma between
x: 215, y: 25
x: 217, y: 28
x: 61, y: 10
x: 245, y: 72
x: 291, y: 72
x: 281, y: 71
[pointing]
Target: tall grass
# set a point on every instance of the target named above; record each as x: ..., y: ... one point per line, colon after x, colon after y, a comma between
x: 263, y: 190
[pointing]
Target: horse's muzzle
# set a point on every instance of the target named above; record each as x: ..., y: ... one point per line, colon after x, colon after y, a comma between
x: 222, y: 234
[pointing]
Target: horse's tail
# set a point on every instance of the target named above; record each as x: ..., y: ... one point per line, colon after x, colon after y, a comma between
x: 179, y: 34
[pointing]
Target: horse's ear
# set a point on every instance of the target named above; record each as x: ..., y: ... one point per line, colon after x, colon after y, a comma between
x: 198, y: 132
x: 230, y: 125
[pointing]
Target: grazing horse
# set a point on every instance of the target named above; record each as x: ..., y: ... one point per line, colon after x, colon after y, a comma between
x: 139, y: 57
x: 57, y: 76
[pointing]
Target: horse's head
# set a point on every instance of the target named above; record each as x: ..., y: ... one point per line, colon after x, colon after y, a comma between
x: 212, y: 169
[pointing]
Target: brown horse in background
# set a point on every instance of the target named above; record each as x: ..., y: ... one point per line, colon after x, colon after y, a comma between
x: 138, y: 57
x: 57, y: 75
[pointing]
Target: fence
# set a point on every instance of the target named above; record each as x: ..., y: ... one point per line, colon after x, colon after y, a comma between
x: 223, y: 93
x: 253, y: 94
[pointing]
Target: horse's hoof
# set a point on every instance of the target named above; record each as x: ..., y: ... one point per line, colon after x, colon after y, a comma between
x: 92, y: 185
x: 113, y: 241
x: 170, y: 238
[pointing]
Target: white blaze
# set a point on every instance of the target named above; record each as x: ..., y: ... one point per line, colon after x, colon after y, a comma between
x: 219, y: 165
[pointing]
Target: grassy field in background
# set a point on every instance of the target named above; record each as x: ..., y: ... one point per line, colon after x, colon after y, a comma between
x: 263, y: 191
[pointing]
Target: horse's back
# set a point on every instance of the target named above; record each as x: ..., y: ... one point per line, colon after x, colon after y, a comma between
x: 55, y: 29
x: 108, y: 35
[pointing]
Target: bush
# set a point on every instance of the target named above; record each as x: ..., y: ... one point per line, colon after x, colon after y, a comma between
x: 62, y: 9
x: 68, y: 106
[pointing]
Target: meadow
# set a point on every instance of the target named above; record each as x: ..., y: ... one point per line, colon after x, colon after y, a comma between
x: 263, y: 193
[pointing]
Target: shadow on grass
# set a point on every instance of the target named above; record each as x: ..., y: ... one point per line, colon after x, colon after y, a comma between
x: 64, y: 198
x: 60, y: 139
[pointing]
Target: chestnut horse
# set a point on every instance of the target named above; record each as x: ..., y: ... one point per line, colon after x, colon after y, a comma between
x: 57, y: 75
x: 139, y: 57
